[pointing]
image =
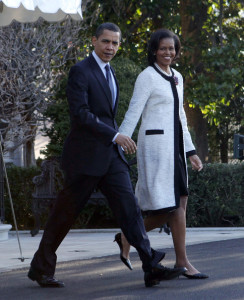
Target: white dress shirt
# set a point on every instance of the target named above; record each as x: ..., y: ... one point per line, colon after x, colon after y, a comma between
x: 102, y: 66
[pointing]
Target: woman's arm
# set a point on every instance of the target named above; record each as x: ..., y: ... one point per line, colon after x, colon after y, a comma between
x: 189, y: 147
x: 141, y: 94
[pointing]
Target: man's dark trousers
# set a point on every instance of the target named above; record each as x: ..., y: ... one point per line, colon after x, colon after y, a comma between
x: 117, y: 188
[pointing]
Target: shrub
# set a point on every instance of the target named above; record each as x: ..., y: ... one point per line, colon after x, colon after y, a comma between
x: 216, y: 196
x: 21, y: 188
x: 216, y: 199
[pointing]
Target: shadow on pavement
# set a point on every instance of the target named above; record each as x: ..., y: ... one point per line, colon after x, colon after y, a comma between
x: 107, y: 278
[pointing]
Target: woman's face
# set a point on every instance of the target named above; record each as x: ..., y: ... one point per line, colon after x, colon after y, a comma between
x: 165, y: 53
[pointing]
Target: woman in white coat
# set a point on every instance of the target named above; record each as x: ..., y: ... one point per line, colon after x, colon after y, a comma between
x: 163, y: 145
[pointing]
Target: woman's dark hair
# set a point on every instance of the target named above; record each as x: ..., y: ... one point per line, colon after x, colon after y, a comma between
x: 154, y: 42
x: 107, y: 26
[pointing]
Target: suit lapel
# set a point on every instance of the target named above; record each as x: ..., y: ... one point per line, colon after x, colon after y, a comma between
x: 101, y: 79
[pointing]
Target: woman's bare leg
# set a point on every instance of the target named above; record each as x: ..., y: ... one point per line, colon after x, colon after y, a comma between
x: 155, y: 221
x: 177, y: 223
x: 150, y: 222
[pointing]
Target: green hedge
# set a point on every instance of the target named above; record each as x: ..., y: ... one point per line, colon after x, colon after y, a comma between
x: 21, y: 187
x: 216, y: 196
x: 216, y: 199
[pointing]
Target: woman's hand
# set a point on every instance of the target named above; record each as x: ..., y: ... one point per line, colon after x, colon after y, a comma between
x: 128, y: 145
x: 196, y: 163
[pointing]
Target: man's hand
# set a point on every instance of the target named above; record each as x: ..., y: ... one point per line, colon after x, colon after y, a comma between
x: 196, y: 163
x: 128, y: 145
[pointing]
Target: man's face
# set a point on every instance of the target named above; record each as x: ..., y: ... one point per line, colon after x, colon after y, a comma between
x: 107, y: 45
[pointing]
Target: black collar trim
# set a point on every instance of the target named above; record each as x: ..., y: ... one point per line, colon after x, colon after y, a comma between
x: 169, y: 78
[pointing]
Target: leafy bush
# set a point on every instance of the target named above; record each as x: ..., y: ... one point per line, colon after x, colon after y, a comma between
x: 216, y: 196
x: 216, y: 199
x: 58, y: 114
x: 21, y: 188
x: 126, y: 74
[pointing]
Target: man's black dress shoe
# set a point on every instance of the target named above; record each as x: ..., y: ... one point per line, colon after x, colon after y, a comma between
x: 126, y: 261
x: 44, y: 280
x: 160, y: 273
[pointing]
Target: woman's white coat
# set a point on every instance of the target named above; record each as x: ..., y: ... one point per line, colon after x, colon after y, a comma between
x: 153, y: 100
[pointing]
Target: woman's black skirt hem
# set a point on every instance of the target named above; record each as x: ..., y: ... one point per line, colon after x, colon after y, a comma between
x: 160, y: 211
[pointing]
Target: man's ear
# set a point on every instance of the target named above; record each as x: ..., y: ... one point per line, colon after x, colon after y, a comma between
x: 94, y: 39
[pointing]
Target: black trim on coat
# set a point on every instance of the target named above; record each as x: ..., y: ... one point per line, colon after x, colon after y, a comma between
x: 154, y: 131
x: 147, y: 213
x: 190, y: 153
x: 176, y: 133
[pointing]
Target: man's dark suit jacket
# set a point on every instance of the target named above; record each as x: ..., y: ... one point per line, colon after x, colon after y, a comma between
x: 88, y: 148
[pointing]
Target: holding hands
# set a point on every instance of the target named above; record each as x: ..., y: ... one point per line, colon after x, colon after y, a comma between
x: 128, y: 145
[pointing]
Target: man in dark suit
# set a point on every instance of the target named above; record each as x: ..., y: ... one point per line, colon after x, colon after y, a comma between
x: 92, y: 157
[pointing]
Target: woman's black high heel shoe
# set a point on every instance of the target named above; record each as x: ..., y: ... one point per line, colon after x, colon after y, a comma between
x: 126, y: 261
x: 194, y: 276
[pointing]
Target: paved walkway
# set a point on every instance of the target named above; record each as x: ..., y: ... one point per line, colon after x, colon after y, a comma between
x: 86, y: 244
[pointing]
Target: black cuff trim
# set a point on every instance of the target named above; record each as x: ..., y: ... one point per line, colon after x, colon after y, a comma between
x: 190, y: 153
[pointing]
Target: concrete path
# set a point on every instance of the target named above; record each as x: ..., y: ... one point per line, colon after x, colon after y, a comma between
x: 85, y: 244
x: 106, y: 278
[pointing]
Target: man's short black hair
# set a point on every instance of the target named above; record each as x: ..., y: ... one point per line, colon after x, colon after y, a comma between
x: 107, y: 26
x: 155, y: 40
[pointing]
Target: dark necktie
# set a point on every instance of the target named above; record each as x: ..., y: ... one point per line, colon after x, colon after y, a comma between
x: 110, y: 83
